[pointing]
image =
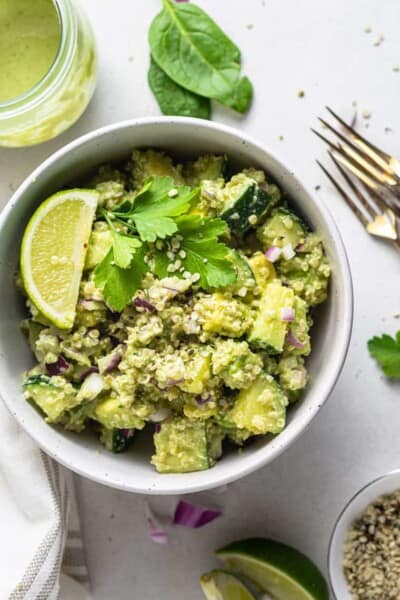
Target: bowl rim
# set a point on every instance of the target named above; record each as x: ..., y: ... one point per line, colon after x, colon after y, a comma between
x: 271, y: 451
x: 348, y: 505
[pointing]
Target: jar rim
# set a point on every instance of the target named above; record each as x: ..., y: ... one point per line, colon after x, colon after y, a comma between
x: 58, y: 68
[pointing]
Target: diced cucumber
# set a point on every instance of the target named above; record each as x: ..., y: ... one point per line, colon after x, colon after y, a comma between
x: 282, y: 228
x: 112, y: 414
x: 208, y: 167
x: 261, y: 408
x: 244, y: 275
x: 246, y: 203
x: 263, y: 270
x: 269, y: 329
x: 116, y: 440
x: 181, y: 447
x: 53, y: 395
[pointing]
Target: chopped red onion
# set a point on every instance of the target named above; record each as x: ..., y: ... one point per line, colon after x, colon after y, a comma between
x: 157, y: 428
x: 170, y: 289
x: 293, y: 341
x: 299, y: 247
x: 91, y: 387
x: 57, y: 368
x: 287, y: 314
x: 288, y: 252
x: 88, y: 372
x: 128, y: 433
x: 203, y: 399
x: 143, y: 303
x: 193, y: 516
x: 157, y: 531
x: 273, y: 253
x: 110, y: 362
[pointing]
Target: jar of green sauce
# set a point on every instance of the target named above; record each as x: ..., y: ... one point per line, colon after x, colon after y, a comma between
x: 47, y: 69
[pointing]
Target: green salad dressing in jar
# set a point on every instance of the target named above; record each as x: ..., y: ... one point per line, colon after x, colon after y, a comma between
x: 47, y: 69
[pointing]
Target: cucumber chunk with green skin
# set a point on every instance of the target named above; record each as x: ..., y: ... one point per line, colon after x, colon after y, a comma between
x: 52, y: 395
x: 282, y: 228
x: 245, y: 279
x: 181, y: 446
x: 116, y: 440
x: 112, y: 415
x: 261, y: 408
x: 246, y: 203
x: 269, y: 330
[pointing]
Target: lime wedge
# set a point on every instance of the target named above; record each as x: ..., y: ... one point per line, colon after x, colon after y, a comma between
x: 277, y: 569
x: 53, y: 253
x: 219, y: 585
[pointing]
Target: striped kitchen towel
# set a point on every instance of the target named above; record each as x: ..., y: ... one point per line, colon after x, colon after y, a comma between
x: 40, y: 546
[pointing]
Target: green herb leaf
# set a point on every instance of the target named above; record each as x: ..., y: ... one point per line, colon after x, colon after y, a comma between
x: 118, y: 284
x: 173, y: 99
x: 154, y: 210
x: 124, y: 248
x: 386, y: 351
x: 195, y: 53
x: 204, y: 254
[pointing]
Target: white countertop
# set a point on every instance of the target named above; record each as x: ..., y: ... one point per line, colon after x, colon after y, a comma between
x: 321, y: 48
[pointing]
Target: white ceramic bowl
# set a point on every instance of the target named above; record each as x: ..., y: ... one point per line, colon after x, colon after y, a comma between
x: 354, y: 508
x: 132, y: 471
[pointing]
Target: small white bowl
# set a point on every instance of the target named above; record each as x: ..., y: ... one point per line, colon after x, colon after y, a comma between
x: 132, y: 471
x: 386, y: 484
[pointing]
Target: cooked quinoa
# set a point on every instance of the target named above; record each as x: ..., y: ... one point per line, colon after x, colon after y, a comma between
x: 198, y: 368
x: 371, y: 561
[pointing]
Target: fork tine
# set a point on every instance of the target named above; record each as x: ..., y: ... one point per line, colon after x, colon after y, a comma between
x: 358, y: 137
x: 372, y: 211
x: 361, y: 156
x: 356, y: 166
x: 359, y: 214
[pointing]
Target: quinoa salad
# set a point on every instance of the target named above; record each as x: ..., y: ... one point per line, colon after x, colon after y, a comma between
x: 193, y: 316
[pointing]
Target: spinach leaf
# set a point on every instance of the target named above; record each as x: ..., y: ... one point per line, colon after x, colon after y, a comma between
x: 173, y: 99
x: 195, y: 53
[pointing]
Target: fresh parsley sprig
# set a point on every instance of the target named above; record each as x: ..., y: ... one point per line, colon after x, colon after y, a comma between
x: 386, y: 351
x: 153, y: 232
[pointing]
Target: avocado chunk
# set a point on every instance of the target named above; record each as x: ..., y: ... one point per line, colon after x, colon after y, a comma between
x: 53, y: 395
x: 269, y: 329
x: 100, y: 243
x: 150, y: 163
x: 261, y: 408
x: 263, y: 270
x: 282, y: 228
x: 182, y: 446
x: 246, y: 203
x: 219, y: 313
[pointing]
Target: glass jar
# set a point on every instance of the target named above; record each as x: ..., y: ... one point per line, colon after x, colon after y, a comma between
x: 61, y: 96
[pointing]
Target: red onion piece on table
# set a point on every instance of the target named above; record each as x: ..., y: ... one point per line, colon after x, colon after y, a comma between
x: 193, y: 516
x: 156, y: 530
x: 143, y: 303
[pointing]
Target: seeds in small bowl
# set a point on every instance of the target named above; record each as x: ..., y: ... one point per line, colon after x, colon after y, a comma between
x: 371, y: 561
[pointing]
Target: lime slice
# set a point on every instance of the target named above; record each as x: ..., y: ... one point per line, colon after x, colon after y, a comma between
x: 277, y: 569
x: 219, y: 585
x: 53, y: 253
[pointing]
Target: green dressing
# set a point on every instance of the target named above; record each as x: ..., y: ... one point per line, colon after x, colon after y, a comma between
x: 30, y: 35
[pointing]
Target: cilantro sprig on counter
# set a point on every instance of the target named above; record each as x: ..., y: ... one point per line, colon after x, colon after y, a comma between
x: 153, y: 232
x: 386, y: 351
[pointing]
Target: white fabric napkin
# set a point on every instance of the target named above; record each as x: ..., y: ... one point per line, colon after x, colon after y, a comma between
x: 39, y: 524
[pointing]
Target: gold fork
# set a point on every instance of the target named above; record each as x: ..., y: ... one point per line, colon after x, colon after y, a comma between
x: 373, y: 177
